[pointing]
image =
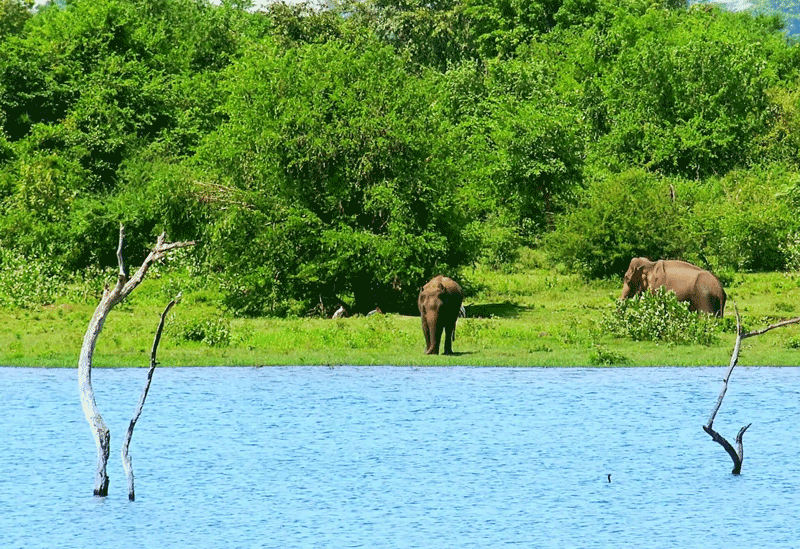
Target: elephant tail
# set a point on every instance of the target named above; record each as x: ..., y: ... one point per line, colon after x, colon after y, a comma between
x: 716, y: 304
x: 723, y: 298
x: 462, y: 312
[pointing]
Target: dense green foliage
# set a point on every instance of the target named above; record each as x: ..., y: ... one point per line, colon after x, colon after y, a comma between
x: 349, y: 187
x: 745, y: 221
x: 349, y: 155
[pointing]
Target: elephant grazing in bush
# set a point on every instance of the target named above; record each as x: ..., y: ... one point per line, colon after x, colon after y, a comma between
x: 439, y: 305
x: 690, y: 283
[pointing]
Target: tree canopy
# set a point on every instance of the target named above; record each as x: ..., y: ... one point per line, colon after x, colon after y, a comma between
x: 349, y: 155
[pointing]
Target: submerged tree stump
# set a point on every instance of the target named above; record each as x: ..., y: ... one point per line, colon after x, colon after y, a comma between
x: 111, y: 297
x: 736, y: 453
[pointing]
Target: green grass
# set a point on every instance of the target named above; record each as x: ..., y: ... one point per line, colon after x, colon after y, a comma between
x: 532, y: 316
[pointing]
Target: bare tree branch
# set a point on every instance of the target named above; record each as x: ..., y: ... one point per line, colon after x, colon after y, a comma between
x: 111, y: 296
x: 120, y: 261
x: 737, y: 454
x: 771, y: 327
x: 126, y: 458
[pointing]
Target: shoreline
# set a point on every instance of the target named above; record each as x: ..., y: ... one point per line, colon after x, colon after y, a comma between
x: 533, y: 317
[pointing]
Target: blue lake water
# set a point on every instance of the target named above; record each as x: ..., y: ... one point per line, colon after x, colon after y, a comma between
x: 388, y: 457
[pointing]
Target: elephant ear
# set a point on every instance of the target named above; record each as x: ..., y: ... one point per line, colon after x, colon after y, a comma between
x: 657, y: 274
x: 641, y: 276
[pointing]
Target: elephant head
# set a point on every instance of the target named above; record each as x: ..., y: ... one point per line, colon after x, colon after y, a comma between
x: 635, y: 281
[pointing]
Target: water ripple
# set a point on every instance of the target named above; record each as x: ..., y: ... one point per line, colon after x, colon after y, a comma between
x: 404, y: 457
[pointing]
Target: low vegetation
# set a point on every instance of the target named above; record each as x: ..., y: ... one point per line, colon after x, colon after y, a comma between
x: 660, y: 317
x: 528, y: 315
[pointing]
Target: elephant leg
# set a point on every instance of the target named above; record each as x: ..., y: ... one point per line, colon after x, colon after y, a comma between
x: 448, y: 339
x: 438, y: 338
x: 427, y: 331
x: 712, y: 306
x: 715, y: 305
x: 704, y: 302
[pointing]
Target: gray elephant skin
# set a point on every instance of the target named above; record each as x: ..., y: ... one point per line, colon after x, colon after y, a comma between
x: 690, y: 283
x: 439, y: 303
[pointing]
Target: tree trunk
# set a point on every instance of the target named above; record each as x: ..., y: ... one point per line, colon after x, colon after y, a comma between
x: 124, y: 286
x: 737, y: 453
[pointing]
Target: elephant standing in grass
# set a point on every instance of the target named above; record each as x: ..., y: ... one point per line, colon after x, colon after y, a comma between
x: 439, y: 305
x: 690, y: 283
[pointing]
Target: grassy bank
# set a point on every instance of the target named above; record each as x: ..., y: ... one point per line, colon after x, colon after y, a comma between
x: 533, y: 316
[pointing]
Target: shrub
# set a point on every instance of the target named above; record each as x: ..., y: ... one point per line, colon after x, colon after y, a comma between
x: 28, y: 282
x: 791, y: 251
x: 603, y: 357
x: 660, y: 316
x: 500, y: 247
x: 617, y: 217
x: 743, y: 222
x: 214, y: 333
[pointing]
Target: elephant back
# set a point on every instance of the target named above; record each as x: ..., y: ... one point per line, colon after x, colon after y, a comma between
x: 444, y: 287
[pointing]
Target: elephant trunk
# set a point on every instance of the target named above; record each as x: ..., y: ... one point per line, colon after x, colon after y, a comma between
x: 432, y: 337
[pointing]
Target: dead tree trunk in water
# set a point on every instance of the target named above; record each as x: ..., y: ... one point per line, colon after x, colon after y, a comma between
x: 126, y: 458
x: 111, y: 297
x: 737, y: 454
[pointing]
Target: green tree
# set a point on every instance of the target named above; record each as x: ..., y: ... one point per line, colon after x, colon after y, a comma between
x: 781, y: 143
x: 432, y: 34
x: 13, y: 15
x: 521, y: 144
x: 501, y: 26
x: 616, y: 218
x: 686, y: 92
x: 99, y: 100
x: 301, y: 23
x: 337, y: 180
x: 742, y: 221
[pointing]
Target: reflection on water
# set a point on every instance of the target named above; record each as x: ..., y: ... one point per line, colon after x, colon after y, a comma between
x: 386, y: 457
